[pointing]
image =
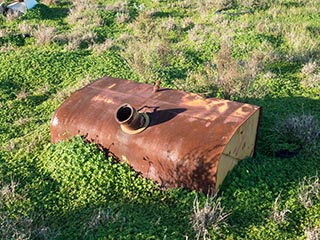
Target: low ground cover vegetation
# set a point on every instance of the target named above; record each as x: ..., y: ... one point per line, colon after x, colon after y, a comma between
x: 260, y: 52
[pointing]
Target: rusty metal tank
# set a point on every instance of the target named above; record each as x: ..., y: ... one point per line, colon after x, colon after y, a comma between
x: 176, y: 138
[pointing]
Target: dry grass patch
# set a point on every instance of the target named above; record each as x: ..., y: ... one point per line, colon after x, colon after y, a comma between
x: 309, y: 191
x: 23, y: 121
x: 147, y: 57
x: 228, y: 79
x: 84, y: 18
x: 200, y: 82
x: 278, y: 215
x: 7, y: 48
x: 100, y: 217
x: 102, y: 47
x: 120, y: 6
x: 169, y: 24
x: 16, y: 224
x: 303, y: 130
x: 303, y: 45
x: 44, y: 34
x: 25, y: 28
x: 4, y: 32
x: 310, y: 67
x: 23, y: 94
x: 144, y: 27
x: 12, y: 15
x: 12, y: 225
x: 312, y: 233
x: 197, y: 34
x: 311, y: 74
x: 124, y: 38
x: 122, y: 18
x: 210, y: 216
x: 76, y: 38
x: 50, y: 2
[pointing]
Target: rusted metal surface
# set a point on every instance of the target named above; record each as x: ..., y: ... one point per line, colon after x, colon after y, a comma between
x: 185, y: 138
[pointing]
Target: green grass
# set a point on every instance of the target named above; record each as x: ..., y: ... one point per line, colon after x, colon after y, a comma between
x: 72, y: 190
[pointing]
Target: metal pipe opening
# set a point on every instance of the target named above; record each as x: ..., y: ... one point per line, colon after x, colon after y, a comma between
x: 124, y: 114
x: 130, y: 120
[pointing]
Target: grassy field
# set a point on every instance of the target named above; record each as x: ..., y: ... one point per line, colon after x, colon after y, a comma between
x: 260, y: 52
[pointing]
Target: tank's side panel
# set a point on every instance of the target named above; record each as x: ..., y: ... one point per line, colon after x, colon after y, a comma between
x: 241, y: 145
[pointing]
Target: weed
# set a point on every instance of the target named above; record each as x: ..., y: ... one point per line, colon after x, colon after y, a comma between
x: 45, y: 232
x: 223, y: 4
x: 25, y: 27
x: 210, y: 216
x: 201, y: 82
x: 120, y: 7
x: 4, y: 32
x: 22, y: 94
x: 309, y: 191
x: 102, y: 47
x: 169, y: 24
x: 228, y: 72
x: 310, y: 67
x: 197, y: 34
x: 312, y: 233
x: 255, y: 4
x: 22, y: 121
x: 84, y: 19
x: 277, y: 215
x: 302, y: 130
x: 100, y: 217
x: 13, y: 225
x: 12, y: 15
x: 122, y: 17
x: 44, y: 34
x: 311, y: 74
x: 147, y: 58
x: 50, y: 2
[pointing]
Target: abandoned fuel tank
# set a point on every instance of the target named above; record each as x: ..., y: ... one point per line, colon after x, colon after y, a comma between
x: 176, y: 138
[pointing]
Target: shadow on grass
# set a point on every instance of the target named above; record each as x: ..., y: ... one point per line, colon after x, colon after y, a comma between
x: 166, y: 14
x: 15, y: 40
x: 274, y: 111
x: 41, y: 11
x: 123, y: 221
